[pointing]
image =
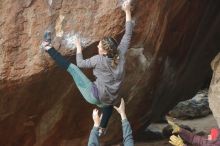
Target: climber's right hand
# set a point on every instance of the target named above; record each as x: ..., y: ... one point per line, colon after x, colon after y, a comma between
x: 45, y: 45
x: 76, y: 41
x: 126, y: 6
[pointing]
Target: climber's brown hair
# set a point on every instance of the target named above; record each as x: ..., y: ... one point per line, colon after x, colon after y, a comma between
x: 110, y: 45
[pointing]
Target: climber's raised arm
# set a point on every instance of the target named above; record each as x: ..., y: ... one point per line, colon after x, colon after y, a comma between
x: 94, y: 134
x: 84, y: 63
x: 126, y: 128
x: 126, y: 39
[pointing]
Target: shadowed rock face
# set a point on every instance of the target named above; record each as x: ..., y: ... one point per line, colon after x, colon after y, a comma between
x: 173, y: 45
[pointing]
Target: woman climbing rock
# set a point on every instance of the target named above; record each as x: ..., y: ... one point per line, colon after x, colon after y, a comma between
x: 108, y: 68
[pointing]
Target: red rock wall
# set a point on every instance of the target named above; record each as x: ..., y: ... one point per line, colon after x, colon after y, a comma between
x: 174, y: 43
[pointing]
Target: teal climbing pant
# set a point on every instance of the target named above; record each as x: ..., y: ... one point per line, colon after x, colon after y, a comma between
x: 83, y: 84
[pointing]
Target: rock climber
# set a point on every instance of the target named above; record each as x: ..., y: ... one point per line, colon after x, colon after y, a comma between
x: 108, y: 68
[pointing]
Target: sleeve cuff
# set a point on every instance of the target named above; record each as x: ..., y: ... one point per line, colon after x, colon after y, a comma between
x: 182, y: 131
x: 95, y: 128
x: 129, y: 23
x: 78, y: 54
x: 124, y: 121
x: 129, y: 26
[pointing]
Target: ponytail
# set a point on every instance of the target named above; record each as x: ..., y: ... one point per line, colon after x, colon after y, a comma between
x: 115, y: 61
x: 110, y: 45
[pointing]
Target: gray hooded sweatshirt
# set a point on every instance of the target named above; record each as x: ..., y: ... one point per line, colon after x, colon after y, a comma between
x: 108, y: 80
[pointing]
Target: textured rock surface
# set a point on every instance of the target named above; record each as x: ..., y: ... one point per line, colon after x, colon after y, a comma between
x: 196, y: 107
x: 174, y: 43
x: 214, y: 97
